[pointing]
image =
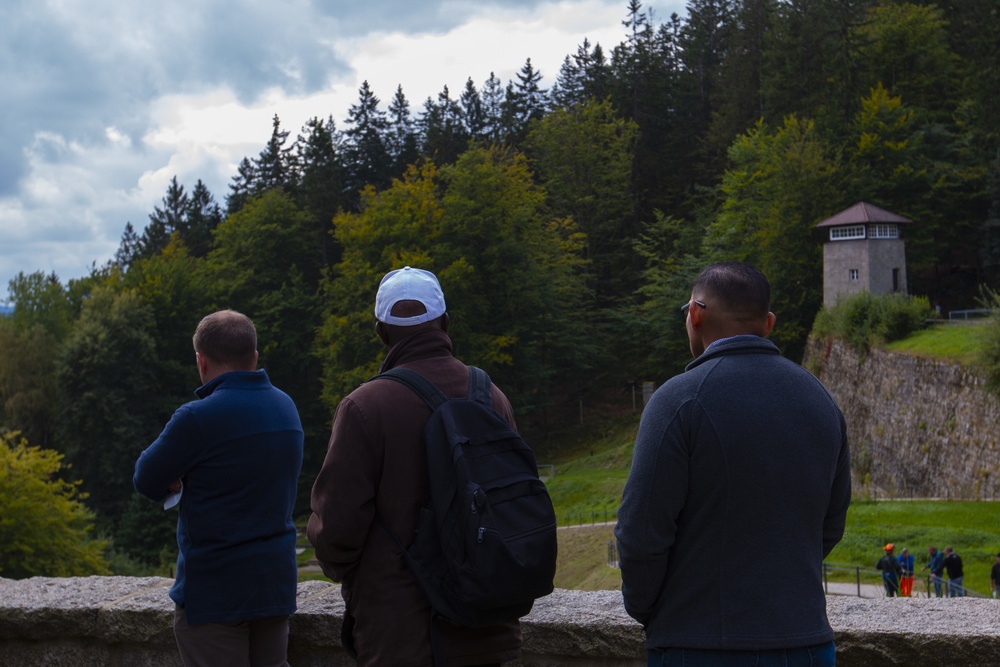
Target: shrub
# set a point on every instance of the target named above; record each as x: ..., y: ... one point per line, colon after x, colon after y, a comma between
x: 864, y: 319
x: 45, y: 529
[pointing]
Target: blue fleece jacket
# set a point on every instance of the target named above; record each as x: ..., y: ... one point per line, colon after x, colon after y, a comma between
x: 739, y: 487
x: 238, y: 451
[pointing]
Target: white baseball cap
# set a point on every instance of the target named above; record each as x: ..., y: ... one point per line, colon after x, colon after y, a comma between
x: 409, y: 284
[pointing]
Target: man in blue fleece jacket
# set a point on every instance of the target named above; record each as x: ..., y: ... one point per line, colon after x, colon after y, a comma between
x: 743, y: 455
x: 234, y: 456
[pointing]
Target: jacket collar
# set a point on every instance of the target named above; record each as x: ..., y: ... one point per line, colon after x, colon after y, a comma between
x: 424, y: 344
x: 748, y: 344
x: 234, y: 380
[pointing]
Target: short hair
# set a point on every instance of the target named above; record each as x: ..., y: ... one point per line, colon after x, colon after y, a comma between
x: 227, y: 337
x: 739, y: 287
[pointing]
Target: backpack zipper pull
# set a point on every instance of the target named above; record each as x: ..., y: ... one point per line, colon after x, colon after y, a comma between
x: 481, y: 531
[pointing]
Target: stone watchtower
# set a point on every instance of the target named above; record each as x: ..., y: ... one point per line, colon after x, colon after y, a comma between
x: 864, y: 251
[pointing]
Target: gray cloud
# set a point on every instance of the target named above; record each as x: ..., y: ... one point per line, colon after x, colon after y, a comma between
x: 71, y: 70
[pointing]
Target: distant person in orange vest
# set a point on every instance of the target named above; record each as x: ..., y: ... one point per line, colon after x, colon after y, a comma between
x: 906, y: 581
x: 891, y: 571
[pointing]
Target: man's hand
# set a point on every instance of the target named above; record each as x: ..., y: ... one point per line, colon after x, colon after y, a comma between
x: 175, y: 485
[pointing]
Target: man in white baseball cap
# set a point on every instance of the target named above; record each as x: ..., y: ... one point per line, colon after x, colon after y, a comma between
x: 376, y: 462
x: 409, y: 285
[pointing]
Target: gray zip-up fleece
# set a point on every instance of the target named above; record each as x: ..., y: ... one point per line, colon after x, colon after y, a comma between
x: 739, y: 488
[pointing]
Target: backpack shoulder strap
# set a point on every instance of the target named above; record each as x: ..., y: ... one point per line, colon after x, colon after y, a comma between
x: 479, y: 386
x: 423, y: 387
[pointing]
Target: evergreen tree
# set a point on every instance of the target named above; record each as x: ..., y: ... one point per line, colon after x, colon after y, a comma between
x: 493, y: 109
x: 164, y: 222
x: 526, y: 101
x: 444, y: 135
x: 203, y: 216
x: 273, y: 166
x: 473, y: 113
x: 321, y: 180
x: 738, y: 100
x: 367, y: 159
x: 582, y: 77
x: 402, y: 142
x: 129, y: 248
x: 243, y: 186
x: 568, y: 88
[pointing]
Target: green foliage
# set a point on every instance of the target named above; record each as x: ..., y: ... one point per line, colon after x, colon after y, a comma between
x: 513, y: 279
x: 583, y: 158
x: 266, y: 263
x: 864, y: 320
x: 111, y: 372
x: 45, y: 529
x: 668, y: 248
x: 779, y: 186
x: 904, y: 46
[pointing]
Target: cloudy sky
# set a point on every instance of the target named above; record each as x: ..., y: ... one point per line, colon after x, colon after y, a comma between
x: 105, y: 101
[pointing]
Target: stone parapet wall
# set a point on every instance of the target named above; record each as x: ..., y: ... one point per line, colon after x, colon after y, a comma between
x: 127, y: 622
x: 918, y: 427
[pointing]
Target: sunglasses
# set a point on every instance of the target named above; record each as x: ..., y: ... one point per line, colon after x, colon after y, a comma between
x: 686, y: 306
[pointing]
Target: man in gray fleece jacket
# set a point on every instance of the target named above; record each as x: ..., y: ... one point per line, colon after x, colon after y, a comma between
x: 739, y: 488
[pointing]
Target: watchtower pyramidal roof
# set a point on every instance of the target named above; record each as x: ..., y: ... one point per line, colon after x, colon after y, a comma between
x: 863, y: 213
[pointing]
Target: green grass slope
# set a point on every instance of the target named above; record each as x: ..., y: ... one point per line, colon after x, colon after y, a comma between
x: 592, y: 464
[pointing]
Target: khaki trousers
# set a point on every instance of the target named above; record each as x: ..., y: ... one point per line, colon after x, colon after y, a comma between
x: 259, y: 643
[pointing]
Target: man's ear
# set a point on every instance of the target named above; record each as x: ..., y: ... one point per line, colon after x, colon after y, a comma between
x: 769, y: 323
x: 202, y: 362
x: 694, y: 313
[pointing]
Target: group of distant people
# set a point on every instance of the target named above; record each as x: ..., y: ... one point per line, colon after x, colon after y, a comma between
x: 745, y: 452
x: 897, y: 572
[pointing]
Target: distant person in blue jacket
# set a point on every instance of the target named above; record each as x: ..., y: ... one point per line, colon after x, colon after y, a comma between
x: 936, y: 566
x: 232, y: 459
x: 745, y: 452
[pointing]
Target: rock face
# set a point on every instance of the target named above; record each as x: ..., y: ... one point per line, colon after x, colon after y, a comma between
x: 918, y: 427
x: 126, y: 622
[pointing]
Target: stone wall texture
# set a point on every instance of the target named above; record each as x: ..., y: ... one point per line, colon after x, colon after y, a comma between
x: 918, y: 427
x: 127, y: 622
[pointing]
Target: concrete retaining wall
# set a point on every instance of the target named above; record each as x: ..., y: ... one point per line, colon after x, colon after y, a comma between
x: 127, y: 622
x: 918, y: 427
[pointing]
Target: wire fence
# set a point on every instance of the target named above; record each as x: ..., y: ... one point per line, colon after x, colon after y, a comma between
x: 592, y: 518
x: 863, y: 582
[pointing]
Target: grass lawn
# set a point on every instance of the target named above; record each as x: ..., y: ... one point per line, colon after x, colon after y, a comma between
x: 972, y: 529
x: 948, y: 342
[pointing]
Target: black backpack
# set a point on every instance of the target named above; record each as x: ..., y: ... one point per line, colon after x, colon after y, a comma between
x: 485, y: 546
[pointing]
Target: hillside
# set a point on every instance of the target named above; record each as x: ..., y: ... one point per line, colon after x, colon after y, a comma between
x: 591, y: 464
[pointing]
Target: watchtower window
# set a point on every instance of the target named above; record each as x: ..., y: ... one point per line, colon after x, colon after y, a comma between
x: 847, y: 232
x: 852, y: 274
x: 884, y: 232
